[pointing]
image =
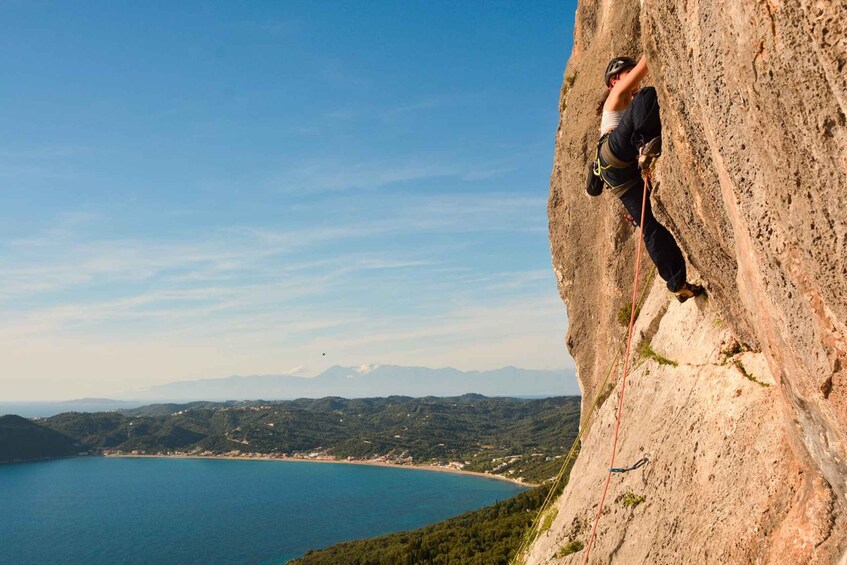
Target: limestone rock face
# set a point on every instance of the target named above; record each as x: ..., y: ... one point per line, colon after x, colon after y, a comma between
x: 753, y: 185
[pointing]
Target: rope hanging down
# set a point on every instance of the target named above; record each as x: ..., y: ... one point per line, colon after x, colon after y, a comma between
x: 646, y: 175
x: 533, y: 531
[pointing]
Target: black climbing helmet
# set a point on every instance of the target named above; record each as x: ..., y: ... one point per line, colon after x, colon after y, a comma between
x: 617, y: 65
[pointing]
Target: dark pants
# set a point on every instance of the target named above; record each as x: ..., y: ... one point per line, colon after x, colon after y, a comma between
x: 661, y: 246
x: 641, y: 123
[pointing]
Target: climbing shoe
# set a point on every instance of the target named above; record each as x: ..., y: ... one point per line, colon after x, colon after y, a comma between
x: 689, y: 290
x: 648, y: 153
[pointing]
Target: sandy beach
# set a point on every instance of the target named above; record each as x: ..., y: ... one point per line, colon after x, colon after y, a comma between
x: 342, y: 462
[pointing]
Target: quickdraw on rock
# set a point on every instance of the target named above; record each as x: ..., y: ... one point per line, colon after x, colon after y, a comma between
x: 636, y: 465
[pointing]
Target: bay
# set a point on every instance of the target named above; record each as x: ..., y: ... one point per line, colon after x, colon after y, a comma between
x: 113, y: 510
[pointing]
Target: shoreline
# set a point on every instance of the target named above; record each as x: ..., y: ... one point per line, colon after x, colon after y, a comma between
x: 342, y: 462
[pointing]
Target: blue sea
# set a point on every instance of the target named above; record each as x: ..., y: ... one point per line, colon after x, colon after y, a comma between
x: 110, y: 510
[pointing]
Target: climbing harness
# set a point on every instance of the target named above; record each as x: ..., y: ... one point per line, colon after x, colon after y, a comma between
x: 633, y: 467
x: 646, y: 175
x: 595, y: 183
x: 619, y: 176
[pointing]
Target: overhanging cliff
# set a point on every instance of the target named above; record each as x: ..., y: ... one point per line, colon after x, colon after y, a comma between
x: 753, y: 184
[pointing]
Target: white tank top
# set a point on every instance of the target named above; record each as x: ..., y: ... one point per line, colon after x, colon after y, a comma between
x: 610, y: 120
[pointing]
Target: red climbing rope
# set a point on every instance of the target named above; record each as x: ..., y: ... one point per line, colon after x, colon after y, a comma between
x: 646, y: 175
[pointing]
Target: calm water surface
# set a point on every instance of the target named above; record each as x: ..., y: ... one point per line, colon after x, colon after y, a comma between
x: 101, y: 510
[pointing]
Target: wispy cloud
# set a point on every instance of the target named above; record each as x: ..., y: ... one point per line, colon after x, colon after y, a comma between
x: 42, y: 152
x: 415, y: 107
x: 259, y: 299
x: 343, y: 174
x: 66, y: 256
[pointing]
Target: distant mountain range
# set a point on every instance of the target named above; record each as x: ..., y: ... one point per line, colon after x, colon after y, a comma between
x: 365, y: 382
x: 369, y: 381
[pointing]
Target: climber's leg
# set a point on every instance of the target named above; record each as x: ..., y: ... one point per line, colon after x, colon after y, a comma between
x: 661, y: 246
x: 640, y: 123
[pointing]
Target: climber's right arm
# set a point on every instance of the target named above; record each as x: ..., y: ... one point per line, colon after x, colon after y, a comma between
x: 621, y: 93
x: 633, y: 78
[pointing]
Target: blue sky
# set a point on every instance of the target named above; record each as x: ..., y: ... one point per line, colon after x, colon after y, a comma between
x: 204, y: 189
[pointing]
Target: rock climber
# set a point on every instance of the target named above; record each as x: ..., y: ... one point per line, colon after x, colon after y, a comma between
x: 630, y: 140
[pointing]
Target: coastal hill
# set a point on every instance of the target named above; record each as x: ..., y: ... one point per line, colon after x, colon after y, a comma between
x: 24, y: 440
x: 739, y: 399
x: 365, y: 382
x: 514, y: 438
